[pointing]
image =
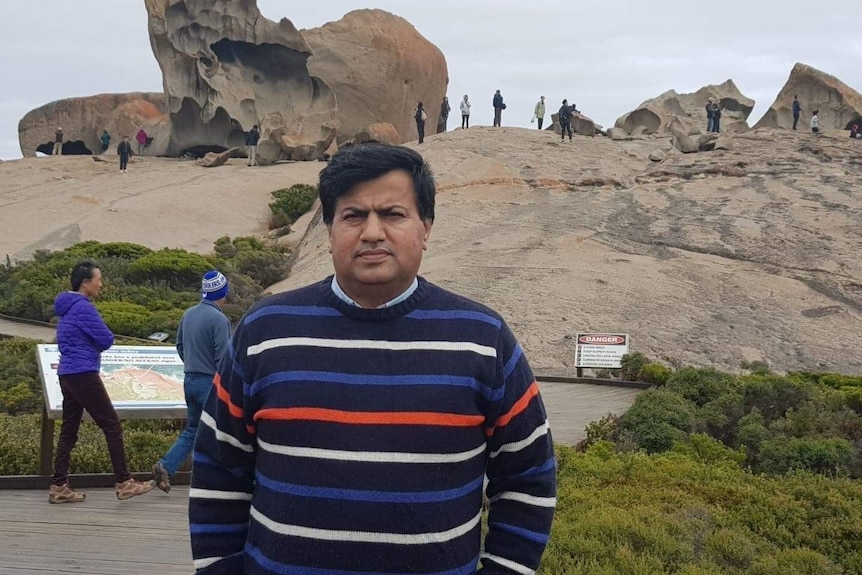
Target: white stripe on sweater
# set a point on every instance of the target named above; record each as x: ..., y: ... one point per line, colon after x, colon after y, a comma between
x: 371, y: 344
x: 365, y: 536
x: 370, y: 456
x: 540, y: 431
x: 206, y: 562
x: 508, y: 564
x: 208, y: 420
x: 524, y: 498
x: 199, y: 493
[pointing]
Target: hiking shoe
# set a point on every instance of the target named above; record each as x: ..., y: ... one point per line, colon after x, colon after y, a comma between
x: 64, y: 494
x: 161, y: 477
x: 131, y: 487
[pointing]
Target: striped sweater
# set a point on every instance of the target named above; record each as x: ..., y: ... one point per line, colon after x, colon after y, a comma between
x: 342, y: 440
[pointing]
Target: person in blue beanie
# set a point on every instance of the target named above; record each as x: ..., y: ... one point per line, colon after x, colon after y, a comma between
x: 202, y: 340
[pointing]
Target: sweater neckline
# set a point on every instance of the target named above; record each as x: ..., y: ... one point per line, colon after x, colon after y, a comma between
x: 378, y: 314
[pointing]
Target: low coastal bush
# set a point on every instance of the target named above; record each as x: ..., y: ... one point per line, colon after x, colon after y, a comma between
x: 291, y: 203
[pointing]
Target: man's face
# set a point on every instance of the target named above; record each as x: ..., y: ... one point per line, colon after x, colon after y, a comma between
x: 377, y: 239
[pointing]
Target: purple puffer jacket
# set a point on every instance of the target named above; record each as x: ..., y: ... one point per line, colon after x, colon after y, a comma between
x: 82, y: 336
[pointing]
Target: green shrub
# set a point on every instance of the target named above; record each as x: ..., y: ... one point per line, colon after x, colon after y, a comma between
x: 177, y: 268
x: 655, y: 373
x: 706, y: 449
x: 126, y: 318
x: 831, y: 457
x: 773, y: 395
x: 657, y: 419
x: 291, y: 203
x: 264, y: 267
x: 632, y: 364
x: 700, y: 385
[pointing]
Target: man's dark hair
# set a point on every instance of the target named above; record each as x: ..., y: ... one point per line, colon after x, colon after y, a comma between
x: 361, y: 163
x: 83, y: 270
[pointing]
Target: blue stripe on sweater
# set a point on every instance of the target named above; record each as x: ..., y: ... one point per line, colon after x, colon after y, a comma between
x: 521, y: 532
x: 300, y: 310
x: 546, y: 466
x: 211, y: 528
x: 205, y: 460
x: 285, y: 569
x: 369, y: 496
x: 513, y: 361
x: 379, y: 380
x: 453, y: 314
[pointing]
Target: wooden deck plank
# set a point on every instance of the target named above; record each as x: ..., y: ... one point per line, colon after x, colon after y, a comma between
x: 149, y: 534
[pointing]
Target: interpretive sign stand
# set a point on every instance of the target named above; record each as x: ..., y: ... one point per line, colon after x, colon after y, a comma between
x: 143, y: 382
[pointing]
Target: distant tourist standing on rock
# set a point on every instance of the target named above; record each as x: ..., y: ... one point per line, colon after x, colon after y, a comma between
x: 815, y: 121
x: 58, y: 142
x: 124, y: 150
x: 82, y: 336
x: 141, y: 138
x: 539, y: 111
x: 358, y: 423
x: 797, y: 110
x: 565, y: 118
x: 465, y: 112
x: 854, y: 131
x: 105, y: 140
x: 251, y: 142
x: 709, y: 116
x: 420, y: 116
x: 499, y: 106
x: 716, y: 117
x: 202, y: 340
x: 444, y: 115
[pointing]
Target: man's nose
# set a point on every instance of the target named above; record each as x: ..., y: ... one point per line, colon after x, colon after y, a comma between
x: 373, y: 230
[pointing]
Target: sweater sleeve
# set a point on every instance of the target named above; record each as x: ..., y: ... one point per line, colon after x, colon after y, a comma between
x: 180, y: 347
x: 224, y: 463
x: 94, y: 326
x: 521, y: 470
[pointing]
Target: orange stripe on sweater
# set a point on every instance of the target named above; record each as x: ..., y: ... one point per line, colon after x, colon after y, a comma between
x: 369, y: 418
x: 518, y: 408
x: 224, y: 395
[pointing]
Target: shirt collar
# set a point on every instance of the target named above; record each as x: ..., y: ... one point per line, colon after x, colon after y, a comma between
x: 336, y: 289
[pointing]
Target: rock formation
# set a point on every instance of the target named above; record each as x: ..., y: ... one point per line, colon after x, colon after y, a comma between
x: 580, y: 124
x: 226, y: 68
x: 840, y: 105
x: 379, y: 66
x: 380, y: 132
x: 83, y: 120
x: 655, y: 115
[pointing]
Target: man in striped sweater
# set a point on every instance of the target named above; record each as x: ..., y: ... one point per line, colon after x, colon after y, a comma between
x: 354, y: 420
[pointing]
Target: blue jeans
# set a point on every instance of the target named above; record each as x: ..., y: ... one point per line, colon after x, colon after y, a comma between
x: 197, y: 388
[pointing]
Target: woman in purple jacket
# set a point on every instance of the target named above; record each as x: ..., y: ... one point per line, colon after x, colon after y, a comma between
x: 82, y: 336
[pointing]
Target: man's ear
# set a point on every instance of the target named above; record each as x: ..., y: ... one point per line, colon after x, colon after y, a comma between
x: 427, y: 234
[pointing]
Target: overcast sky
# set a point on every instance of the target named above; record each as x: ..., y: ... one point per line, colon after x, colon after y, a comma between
x: 605, y: 55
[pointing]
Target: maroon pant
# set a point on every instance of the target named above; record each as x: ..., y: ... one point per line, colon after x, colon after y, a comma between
x: 86, y: 391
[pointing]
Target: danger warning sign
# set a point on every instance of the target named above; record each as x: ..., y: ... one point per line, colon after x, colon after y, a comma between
x: 601, y: 350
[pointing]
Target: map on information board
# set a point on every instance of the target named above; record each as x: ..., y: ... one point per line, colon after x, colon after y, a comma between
x: 142, y: 381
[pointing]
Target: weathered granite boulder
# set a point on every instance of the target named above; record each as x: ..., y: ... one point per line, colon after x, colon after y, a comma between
x: 216, y: 159
x: 286, y: 144
x: 681, y: 140
x: 580, y: 124
x: 382, y: 132
x: 840, y: 106
x: 653, y: 116
x: 379, y: 66
x: 83, y: 120
x: 225, y: 68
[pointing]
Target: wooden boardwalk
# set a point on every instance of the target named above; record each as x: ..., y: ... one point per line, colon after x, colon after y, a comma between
x: 33, y: 331
x: 148, y: 535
